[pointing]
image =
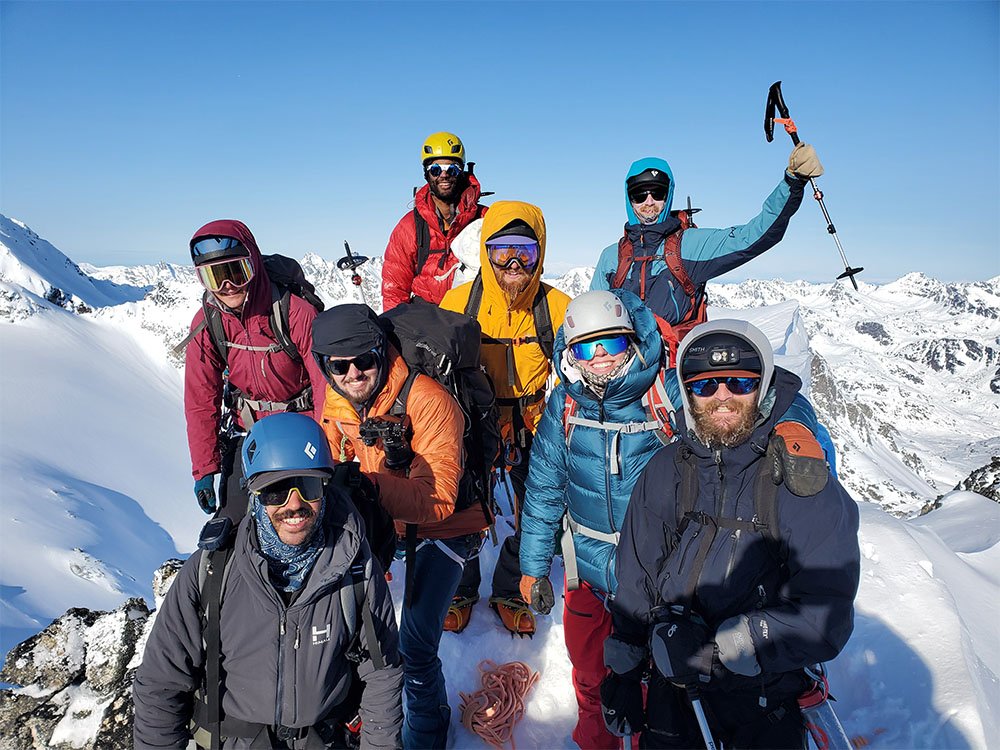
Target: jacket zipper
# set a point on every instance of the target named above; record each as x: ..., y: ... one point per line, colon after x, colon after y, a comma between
x: 607, y: 463
x: 720, y: 496
x: 279, y: 698
x: 732, y: 553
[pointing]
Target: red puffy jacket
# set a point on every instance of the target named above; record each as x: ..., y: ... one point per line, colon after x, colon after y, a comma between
x: 259, y: 375
x: 401, y: 278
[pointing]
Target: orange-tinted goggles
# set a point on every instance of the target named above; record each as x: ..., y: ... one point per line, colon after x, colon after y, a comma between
x: 237, y: 272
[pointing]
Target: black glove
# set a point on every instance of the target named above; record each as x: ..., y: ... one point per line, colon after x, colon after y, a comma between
x: 621, y: 702
x: 356, y: 483
x: 204, y: 492
x: 538, y: 593
x: 683, y: 649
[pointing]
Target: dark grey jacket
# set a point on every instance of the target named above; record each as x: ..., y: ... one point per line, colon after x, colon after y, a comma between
x: 282, y: 665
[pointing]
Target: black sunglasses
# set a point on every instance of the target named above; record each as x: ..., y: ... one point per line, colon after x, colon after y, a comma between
x: 639, y: 196
x: 310, y: 489
x: 736, y: 386
x: 364, y: 361
x: 452, y: 170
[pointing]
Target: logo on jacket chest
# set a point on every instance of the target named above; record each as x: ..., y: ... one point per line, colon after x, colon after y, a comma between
x: 320, y: 635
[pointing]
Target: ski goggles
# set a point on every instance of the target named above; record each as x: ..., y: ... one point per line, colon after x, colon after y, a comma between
x: 639, y: 196
x: 587, y: 350
x: 735, y: 385
x: 502, y: 255
x: 310, y: 489
x: 365, y: 361
x: 452, y: 170
x: 237, y: 272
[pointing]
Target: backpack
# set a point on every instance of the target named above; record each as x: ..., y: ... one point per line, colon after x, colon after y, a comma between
x: 444, y: 346
x: 214, y: 567
x: 545, y: 338
x: 698, y: 300
x: 287, y: 278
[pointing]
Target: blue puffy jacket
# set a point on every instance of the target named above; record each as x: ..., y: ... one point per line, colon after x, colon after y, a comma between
x: 706, y: 253
x: 596, y: 498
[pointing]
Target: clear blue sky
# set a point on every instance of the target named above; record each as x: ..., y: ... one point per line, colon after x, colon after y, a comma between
x: 124, y: 126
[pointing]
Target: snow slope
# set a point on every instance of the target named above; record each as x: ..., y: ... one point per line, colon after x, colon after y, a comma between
x: 97, y: 492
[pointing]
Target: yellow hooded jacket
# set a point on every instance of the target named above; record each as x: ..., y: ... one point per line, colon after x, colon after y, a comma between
x: 504, y: 318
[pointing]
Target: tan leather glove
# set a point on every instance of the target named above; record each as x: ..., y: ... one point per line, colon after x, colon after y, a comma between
x: 803, y: 162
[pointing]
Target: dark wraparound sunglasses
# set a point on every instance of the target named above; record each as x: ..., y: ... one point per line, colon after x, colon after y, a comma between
x: 310, y: 489
x: 639, y: 196
x: 365, y: 361
x: 736, y: 386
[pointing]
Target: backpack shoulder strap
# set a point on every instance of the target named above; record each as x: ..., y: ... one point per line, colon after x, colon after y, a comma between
x: 672, y: 257
x: 181, y: 347
x: 769, y: 478
x: 423, y: 240
x: 543, y: 323
x: 213, y: 571
x: 216, y: 331
x: 398, y: 408
x: 354, y: 603
x: 281, y: 300
x: 475, y: 300
x: 625, y: 255
x: 659, y: 407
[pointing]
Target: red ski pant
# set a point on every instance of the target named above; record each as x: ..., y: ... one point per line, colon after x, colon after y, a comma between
x: 586, y: 623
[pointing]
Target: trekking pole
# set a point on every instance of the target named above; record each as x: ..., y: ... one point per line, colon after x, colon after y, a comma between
x: 699, y: 714
x: 776, y: 101
x: 351, y: 262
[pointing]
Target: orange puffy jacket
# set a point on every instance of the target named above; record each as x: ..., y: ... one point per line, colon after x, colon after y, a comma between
x: 426, y: 494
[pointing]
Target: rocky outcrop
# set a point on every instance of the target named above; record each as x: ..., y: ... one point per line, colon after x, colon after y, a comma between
x: 75, y: 677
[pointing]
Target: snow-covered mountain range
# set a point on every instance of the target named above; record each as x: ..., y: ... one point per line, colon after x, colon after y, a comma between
x: 97, y: 489
x: 905, y: 375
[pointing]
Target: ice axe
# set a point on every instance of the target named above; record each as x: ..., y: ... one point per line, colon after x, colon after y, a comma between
x: 776, y: 101
x: 351, y: 262
x: 699, y: 714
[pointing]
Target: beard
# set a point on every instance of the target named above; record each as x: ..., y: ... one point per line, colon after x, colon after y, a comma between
x: 717, y: 435
x: 512, y: 286
x: 448, y: 194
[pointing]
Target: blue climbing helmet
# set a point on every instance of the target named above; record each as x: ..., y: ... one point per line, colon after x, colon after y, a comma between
x: 285, y: 445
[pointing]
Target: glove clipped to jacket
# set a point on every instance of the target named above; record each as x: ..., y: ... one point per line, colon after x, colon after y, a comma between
x: 538, y: 593
x: 803, y: 162
x: 682, y: 648
x: 621, y: 702
x: 204, y: 493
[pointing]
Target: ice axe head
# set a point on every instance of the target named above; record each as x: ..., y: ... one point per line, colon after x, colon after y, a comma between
x: 775, y: 102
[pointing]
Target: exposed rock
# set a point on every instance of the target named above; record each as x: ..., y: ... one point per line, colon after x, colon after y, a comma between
x: 984, y: 480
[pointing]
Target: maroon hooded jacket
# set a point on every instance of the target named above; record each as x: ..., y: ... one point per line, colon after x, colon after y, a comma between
x: 400, y: 275
x: 270, y: 376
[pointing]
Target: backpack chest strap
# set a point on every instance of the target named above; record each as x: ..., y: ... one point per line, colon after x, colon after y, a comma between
x: 617, y: 429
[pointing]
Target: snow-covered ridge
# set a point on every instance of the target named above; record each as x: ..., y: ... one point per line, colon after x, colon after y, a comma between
x: 906, y: 375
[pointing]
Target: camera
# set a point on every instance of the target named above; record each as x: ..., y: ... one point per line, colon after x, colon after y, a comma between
x: 395, y: 436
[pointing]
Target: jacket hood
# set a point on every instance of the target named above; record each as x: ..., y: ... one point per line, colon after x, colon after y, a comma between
x: 650, y: 162
x: 500, y: 215
x: 259, y: 293
x: 631, y: 385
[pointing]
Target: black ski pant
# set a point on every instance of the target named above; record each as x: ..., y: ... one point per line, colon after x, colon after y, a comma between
x: 507, y: 573
x: 736, y: 719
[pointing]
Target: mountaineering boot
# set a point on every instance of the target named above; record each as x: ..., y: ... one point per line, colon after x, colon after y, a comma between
x: 459, y: 613
x: 515, y: 615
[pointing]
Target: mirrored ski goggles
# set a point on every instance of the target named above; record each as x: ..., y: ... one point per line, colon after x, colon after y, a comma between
x: 212, y: 245
x: 237, y: 272
x: 502, y: 256
x: 736, y: 386
x: 639, y: 196
x: 452, y: 170
x: 365, y: 361
x: 587, y: 350
x: 310, y: 489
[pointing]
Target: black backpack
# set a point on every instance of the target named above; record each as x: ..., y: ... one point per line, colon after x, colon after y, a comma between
x: 287, y: 278
x: 444, y: 345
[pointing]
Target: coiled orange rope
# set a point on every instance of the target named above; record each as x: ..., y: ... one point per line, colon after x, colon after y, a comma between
x: 493, y: 711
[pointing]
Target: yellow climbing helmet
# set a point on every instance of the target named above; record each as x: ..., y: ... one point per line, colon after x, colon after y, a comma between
x: 442, y: 146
